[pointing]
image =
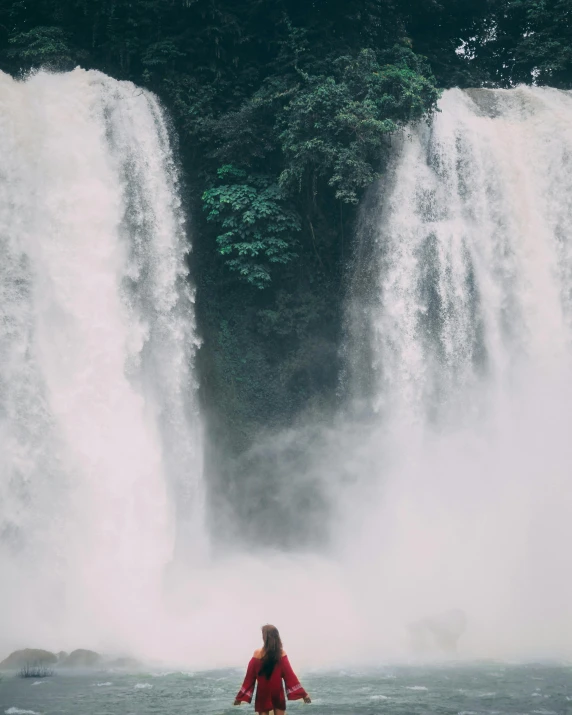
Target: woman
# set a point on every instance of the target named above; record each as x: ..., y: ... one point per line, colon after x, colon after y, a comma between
x: 267, y: 668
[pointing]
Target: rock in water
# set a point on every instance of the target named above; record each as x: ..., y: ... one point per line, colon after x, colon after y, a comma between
x: 28, y: 656
x: 82, y: 658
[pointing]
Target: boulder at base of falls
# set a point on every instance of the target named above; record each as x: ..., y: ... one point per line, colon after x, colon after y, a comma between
x: 28, y: 657
x: 81, y: 658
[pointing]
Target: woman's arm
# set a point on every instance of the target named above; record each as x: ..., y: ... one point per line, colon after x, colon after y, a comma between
x: 294, y: 691
x: 247, y: 691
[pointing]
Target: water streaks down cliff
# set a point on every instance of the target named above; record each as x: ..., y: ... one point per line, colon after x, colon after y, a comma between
x: 98, y: 432
x: 461, y: 353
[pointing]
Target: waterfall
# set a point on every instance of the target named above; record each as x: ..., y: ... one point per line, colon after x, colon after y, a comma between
x: 99, y: 436
x: 462, y: 314
x: 447, y: 487
x: 473, y: 243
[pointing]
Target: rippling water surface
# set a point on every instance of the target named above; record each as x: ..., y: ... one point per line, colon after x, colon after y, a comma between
x: 491, y: 689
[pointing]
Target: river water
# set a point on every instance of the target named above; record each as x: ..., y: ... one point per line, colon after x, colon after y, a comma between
x: 490, y: 688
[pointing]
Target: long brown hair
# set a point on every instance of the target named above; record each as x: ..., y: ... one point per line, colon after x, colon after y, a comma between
x: 272, y: 650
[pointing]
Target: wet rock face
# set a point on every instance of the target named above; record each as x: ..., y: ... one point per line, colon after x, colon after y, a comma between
x: 81, y: 658
x: 28, y: 657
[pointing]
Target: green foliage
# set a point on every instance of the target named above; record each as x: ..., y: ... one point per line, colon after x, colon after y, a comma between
x: 505, y: 42
x: 439, y: 29
x: 530, y: 41
x: 164, y: 53
x: 42, y: 46
x: 257, y: 227
x: 336, y: 126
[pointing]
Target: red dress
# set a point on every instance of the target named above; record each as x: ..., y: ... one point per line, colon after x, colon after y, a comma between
x: 270, y: 691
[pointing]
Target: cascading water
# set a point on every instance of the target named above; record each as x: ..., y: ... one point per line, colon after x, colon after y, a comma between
x: 465, y: 312
x: 98, y: 428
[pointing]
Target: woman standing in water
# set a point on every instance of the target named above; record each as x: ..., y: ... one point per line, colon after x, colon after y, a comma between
x: 267, y: 668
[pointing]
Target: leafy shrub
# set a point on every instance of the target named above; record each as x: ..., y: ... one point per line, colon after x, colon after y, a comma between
x: 257, y: 226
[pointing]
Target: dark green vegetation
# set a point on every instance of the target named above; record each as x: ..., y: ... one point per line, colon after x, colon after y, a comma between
x: 284, y: 112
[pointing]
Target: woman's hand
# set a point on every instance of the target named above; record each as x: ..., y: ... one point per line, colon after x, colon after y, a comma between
x: 237, y: 702
x: 307, y: 699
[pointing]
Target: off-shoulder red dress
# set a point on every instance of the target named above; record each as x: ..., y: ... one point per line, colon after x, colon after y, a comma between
x: 270, y: 691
